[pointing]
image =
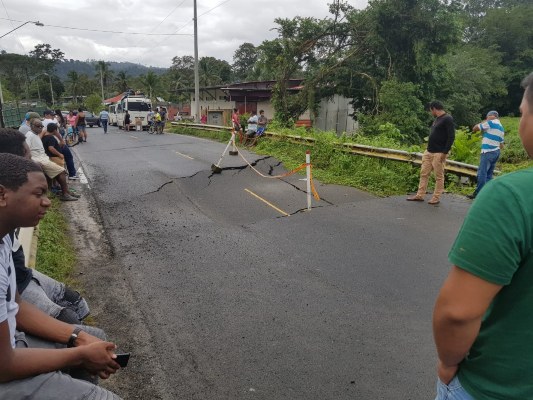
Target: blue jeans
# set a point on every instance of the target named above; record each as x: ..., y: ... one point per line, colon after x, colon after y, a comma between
x: 69, y: 160
x: 487, y: 163
x: 452, y: 391
x: 104, y: 124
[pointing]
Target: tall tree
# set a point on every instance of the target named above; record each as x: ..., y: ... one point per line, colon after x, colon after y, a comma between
x: 104, y: 74
x: 213, y: 71
x: 244, y: 60
x: 121, y: 81
x: 150, y: 82
x: 73, y: 85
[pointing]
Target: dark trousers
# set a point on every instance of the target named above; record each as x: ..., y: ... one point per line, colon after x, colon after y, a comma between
x: 69, y: 160
x: 104, y: 124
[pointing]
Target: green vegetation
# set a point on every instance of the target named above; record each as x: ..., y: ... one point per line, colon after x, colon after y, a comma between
x: 381, y: 177
x: 55, y: 254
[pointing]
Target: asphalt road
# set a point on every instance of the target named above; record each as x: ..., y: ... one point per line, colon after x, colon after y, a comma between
x: 243, y: 302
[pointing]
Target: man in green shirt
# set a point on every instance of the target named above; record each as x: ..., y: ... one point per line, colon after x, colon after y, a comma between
x: 483, y: 318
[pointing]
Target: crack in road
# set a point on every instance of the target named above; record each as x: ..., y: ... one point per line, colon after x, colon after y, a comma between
x: 241, y: 167
x: 271, y: 170
x: 160, y: 187
x: 305, y: 191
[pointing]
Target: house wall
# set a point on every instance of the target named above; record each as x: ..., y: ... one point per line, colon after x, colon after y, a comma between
x: 208, y: 103
x: 334, y: 115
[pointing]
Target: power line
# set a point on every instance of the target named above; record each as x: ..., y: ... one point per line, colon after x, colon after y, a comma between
x: 105, y: 31
x: 159, y: 24
x: 11, y: 21
x: 169, y: 14
x: 201, y: 15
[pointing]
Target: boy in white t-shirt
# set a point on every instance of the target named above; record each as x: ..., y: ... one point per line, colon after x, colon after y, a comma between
x: 35, y: 347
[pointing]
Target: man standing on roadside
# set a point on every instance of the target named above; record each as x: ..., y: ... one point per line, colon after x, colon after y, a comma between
x: 104, y: 118
x: 439, y: 144
x: 235, y: 120
x: 491, y: 143
x: 482, y: 322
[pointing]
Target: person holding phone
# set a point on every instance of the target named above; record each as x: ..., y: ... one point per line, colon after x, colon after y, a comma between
x: 36, y: 349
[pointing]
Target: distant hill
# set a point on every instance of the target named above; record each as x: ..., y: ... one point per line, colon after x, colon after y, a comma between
x: 88, y: 67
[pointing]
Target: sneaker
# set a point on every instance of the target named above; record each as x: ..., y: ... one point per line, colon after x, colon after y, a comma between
x: 67, y: 197
x: 471, y: 196
x: 74, y: 194
x: 73, y: 178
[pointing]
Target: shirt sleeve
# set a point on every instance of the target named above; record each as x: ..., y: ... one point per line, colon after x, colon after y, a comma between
x: 484, y: 126
x: 494, y: 237
x: 450, y: 133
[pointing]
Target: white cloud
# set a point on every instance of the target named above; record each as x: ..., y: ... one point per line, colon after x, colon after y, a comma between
x: 221, y: 31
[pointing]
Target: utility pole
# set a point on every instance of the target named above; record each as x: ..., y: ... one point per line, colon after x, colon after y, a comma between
x: 102, y: 81
x: 1, y: 105
x: 196, y: 72
x: 51, y: 87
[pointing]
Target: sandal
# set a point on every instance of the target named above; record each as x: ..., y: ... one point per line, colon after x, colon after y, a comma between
x: 415, y: 198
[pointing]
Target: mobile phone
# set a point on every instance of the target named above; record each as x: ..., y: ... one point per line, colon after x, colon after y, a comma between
x: 122, y: 359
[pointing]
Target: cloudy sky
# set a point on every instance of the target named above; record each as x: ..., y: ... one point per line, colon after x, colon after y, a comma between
x: 225, y: 25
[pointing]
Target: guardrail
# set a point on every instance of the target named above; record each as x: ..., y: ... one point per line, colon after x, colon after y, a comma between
x: 454, y: 167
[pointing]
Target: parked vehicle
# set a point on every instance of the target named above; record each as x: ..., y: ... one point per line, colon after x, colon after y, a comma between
x: 91, y: 119
x: 138, y: 106
x: 112, y: 110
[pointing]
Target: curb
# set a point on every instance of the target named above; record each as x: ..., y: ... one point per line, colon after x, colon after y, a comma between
x: 28, y: 239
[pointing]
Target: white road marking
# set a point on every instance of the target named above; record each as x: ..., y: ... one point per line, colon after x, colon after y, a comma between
x: 184, y: 155
x: 83, y: 178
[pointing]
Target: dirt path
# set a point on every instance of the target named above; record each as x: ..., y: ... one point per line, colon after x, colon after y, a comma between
x: 113, y: 305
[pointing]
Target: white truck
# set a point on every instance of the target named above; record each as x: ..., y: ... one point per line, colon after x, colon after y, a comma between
x: 112, y: 110
x: 138, y: 106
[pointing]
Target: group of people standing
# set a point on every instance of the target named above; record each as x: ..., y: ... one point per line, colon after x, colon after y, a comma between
x: 440, y: 143
x: 74, y: 125
x: 482, y: 320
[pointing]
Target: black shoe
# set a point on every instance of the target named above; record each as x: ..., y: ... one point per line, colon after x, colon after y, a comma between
x: 471, y: 196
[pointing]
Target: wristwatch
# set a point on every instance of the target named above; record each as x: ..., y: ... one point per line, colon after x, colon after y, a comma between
x: 73, y: 336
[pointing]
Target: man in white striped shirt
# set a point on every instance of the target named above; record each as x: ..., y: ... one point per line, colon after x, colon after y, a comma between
x: 493, y: 132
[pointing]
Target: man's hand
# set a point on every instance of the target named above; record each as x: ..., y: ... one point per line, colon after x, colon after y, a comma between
x: 443, y: 157
x: 98, y: 359
x: 445, y: 373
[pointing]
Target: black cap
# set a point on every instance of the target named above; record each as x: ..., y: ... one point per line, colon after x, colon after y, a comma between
x: 48, y: 112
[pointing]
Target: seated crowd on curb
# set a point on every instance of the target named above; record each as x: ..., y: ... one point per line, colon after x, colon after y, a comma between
x: 55, y: 156
x: 45, y: 350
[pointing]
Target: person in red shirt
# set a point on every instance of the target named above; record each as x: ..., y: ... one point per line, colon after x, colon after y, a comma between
x: 235, y: 120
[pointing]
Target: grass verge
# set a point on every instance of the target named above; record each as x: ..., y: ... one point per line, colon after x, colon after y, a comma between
x: 55, y: 253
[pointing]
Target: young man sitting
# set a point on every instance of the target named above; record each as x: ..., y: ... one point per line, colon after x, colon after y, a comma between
x: 30, y: 362
x: 52, y: 297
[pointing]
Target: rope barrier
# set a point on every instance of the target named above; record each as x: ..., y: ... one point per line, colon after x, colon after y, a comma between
x: 299, y: 168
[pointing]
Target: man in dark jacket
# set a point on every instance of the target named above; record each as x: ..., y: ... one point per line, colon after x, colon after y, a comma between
x: 439, y: 144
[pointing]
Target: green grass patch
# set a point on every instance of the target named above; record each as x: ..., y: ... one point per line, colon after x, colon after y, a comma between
x: 55, y: 253
x: 378, y: 176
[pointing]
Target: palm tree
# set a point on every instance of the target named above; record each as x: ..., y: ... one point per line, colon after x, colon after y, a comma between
x: 73, y: 82
x: 122, y: 81
x: 150, y: 82
x: 102, y: 69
